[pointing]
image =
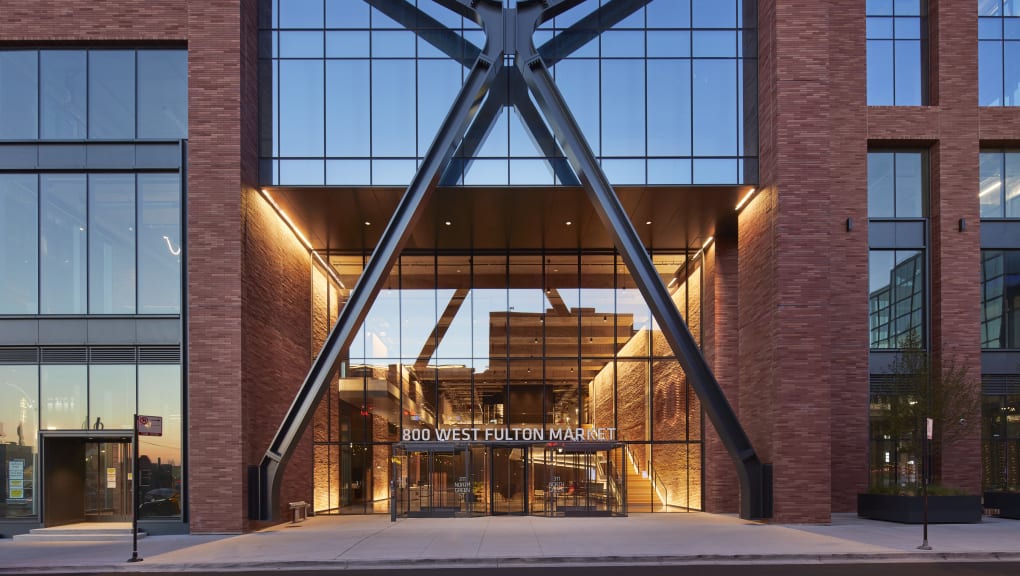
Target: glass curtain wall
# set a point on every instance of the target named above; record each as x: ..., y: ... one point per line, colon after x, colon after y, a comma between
x: 354, y: 91
x: 511, y: 341
x: 89, y: 396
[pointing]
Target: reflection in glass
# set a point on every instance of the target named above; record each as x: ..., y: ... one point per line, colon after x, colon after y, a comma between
x: 62, y: 244
x: 63, y: 402
x: 159, y: 244
x: 19, y: 244
x: 19, y: 95
x: 111, y: 94
x: 1000, y: 299
x: 301, y: 108
x: 111, y: 243
x: 897, y: 185
x: 160, y: 457
x: 19, y: 424
x: 162, y: 94
x: 111, y: 397
x: 63, y: 88
x: 896, y: 298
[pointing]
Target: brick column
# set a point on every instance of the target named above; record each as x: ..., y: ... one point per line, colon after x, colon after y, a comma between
x: 955, y: 255
x: 848, y: 252
x: 721, y: 343
x: 784, y: 240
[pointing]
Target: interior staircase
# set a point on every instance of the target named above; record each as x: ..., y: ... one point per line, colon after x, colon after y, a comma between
x: 83, y: 532
x: 640, y: 495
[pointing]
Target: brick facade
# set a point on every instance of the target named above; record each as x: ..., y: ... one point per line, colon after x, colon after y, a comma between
x: 785, y: 312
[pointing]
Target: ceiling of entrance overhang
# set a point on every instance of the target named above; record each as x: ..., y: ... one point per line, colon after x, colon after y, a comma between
x: 498, y: 218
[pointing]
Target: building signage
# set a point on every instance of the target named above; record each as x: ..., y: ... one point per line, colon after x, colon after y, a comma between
x: 150, y: 425
x: 508, y: 435
x: 111, y: 478
x: 16, y: 480
x: 462, y: 486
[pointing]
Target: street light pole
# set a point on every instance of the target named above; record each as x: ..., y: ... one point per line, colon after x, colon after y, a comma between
x: 134, y: 493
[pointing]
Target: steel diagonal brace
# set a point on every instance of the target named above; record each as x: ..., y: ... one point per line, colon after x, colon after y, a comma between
x: 616, y: 221
x: 407, y: 213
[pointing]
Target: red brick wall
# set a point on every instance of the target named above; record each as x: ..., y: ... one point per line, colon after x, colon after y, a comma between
x: 784, y: 263
x: 720, y: 346
x: 216, y: 470
x: 40, y: 21
x: 848, y: 255
x: 276, y: 347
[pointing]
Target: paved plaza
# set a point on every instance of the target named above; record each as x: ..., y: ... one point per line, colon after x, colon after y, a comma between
x: 375, y: 542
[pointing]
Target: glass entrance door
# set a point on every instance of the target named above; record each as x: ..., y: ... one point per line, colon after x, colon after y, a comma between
x: 576, y: 483
x: 107, y: 484
x: 508, y: 485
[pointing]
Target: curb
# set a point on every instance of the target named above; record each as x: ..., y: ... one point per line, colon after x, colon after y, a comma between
x: 430, y: 563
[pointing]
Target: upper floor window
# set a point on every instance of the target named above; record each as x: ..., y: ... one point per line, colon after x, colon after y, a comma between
x: 95, y: 94
x: 100, y: 243
x: 999, y: 191
x: 896, y: 184
x: 1000, y: 298
x: 999, y: 52
x: 897, y: 34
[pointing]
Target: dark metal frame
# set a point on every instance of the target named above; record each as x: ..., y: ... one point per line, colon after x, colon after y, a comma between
x: 509, y: 45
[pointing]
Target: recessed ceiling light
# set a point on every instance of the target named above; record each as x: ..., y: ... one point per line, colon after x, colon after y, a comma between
x: 367, y: 223
x: 648, y: 222
x: 448, y: 223
x: 569, y: 223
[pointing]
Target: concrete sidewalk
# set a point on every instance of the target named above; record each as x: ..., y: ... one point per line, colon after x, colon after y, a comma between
x: 375, y: 542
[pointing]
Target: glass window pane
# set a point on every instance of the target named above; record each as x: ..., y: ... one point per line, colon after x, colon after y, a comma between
x: 623, y: 44
x: 578, y: 81
x: 990, y: 191
x: 393, y: 172
x: 346, y: 14
x: 715, y: 108
x: 715, y: 44
x: 393, y: 108
x: 990, y: 29
x: 989, y: 7
x: 348, y: 172
x: 669, y: 107
x: 671, y: 171
x: 111, y: 94
x: 907, y: 7
x: 63, y: 403
x: 669, y: 44
x: 63, y: 94
x: 879, y: 28
x: 62, y: 244
x: 879, y: 7
x: 715, y: 171
x: 303, y: 44
x: 301, y: 108
x: 910, y: 185
x: 1013, y: 186
x: 1011, y: 79
x: 302, y: 172
x: 714, y: 13
x: 160, y: 458
x: 435, y: 96
x: 623, y: 122
x: 19, y: 244
x: 908, y: 73
x: 669, y: 13
x: 19, y: 95
x: 393, y: 44
x: 163, y: 94
x: 111, y: 243
x: 990, y: 73
x: 301, y: 14
x: 19, y: 413
x: 347, y: 108
x: 111, y: 397
x: 347, y: 45
x: 881, y: 185
x: 159, y: 244
x: 880, y: 73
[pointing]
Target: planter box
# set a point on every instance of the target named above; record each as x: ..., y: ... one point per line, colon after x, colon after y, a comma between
x: 1007, y: 503
x: 910, y: 509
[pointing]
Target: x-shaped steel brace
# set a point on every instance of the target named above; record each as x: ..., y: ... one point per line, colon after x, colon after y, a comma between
x: 510, y: 32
